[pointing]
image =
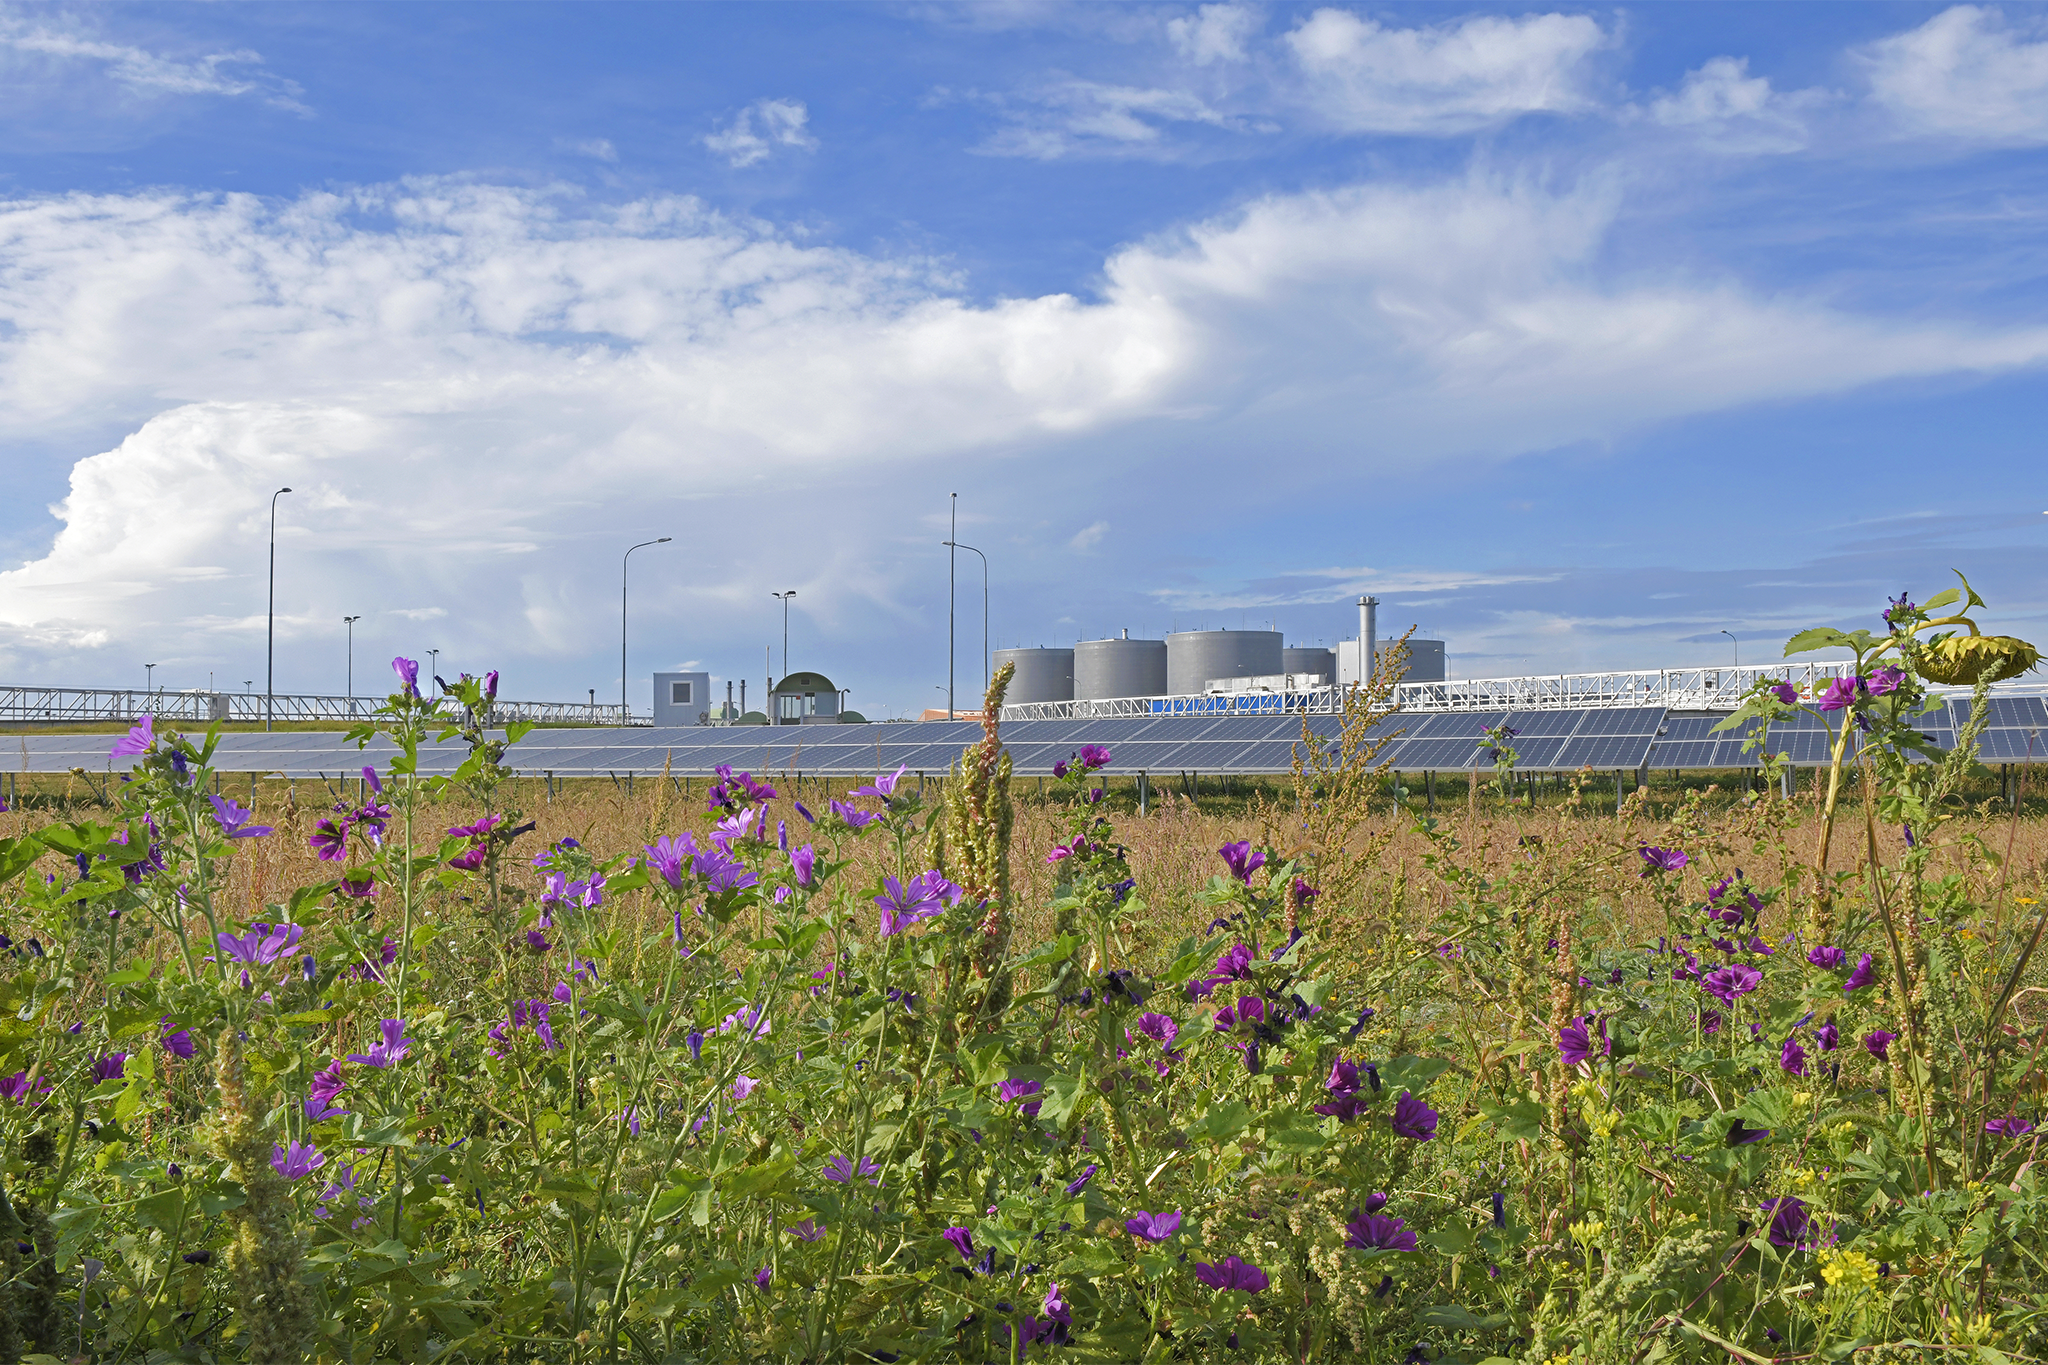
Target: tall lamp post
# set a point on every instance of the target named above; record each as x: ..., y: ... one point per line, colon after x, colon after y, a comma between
x: 784, y: 597
x: 434, y: 664
x: 1738, y: 649
x: 350, y: 622
x: 952, y: 556
x: 984, y: 611
x: 624, y: 715
x: 149, y: 678
x: 270, y: 631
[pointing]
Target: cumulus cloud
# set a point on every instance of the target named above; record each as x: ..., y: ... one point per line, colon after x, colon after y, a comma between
x: 480, y: 392
x: 1448, y: 78
x: 758, y: 130
x: 1213, y: 33
x: 1089, y: 536
x: 1966, y: 73
x: 1726, y: 107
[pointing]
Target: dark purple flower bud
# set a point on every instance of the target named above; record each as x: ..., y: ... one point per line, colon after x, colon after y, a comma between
x: 1364, y: 1016
x: 1500, y: 1209
x: 1375, y: 1201
x: 1080, y: 1182
x: 1785, y: 692
x: 1828, y: 1036
x: 962, y: 1240
x: 695, y: 1041
x: 1385, y: 1286
x: 1372, y: 1074
x: 1740, y: 1135
x: 197, y: 1257
x: 1792, y: 1058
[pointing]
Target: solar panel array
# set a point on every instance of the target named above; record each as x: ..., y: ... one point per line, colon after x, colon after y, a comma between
x: 1604, y: 739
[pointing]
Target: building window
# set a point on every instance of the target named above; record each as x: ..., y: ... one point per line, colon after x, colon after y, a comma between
x: 679, y: 694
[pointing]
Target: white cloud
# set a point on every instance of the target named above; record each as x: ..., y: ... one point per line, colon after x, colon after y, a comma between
x: 1965, y: 73
x: 597, y: 148
x: 1448, y: 78
x: 1214, y: 33
x: 1076, y: 117
x: 232, y: 73
x: 481, y: 392
x: 1089, y: 536
x: 1726, y: 107
x: 759, y: 129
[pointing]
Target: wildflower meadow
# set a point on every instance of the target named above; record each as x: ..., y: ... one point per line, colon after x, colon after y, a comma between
x: 865, y: 1076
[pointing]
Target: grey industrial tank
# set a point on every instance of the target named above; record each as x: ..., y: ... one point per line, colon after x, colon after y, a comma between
x: 1042, y: 674
x: 1301, y: 659
x: 1119, y: 668
x: 1425, y: 659
x: 1194, y: 658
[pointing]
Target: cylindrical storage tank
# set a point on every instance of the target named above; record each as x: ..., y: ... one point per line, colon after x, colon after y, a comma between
x: 1425, y: 659
x: 1042, y: 675
x: 1304, y: 659
x: 1194, y: 658
x: 1119, y: 668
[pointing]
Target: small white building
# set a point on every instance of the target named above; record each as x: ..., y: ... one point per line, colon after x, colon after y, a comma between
x: 682, y: 698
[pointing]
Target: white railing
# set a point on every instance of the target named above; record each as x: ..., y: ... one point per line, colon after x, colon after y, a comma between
x: 1675, y: 689
x: 83, y: 704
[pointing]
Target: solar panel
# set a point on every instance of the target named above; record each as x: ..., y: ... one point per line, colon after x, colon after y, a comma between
x: 2013, y: 746
x: 1438, y: 755
x: 1620, y: 720
x: 1687, y: 729
x: 1684, y: 753
x: 1540, y: 753
x: 1604, y: 751
x: 1540, y: 724
x: 1802, y: 746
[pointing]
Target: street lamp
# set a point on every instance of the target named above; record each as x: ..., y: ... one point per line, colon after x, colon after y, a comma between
x: 984, y: 611
x: 270, y: 637
x: 434, y: 666
x: 149, y: 678
x: 1738, y: 648
x: 350, y: 622
x: 952, y: 555
x: 625, y: 715
x: 785, y: 596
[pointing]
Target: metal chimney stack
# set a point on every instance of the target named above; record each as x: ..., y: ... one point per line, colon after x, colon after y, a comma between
x: 1368, y: 637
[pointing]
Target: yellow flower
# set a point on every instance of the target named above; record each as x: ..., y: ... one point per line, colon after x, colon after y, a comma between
x: 1802, y: 1176
x: 1802, y: 1097
x: 1850, y: 1270
x: 2025, y: 900
x: 1587, y: 1229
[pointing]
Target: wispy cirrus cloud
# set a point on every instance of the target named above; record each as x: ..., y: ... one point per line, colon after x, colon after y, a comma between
x: 234, y: 73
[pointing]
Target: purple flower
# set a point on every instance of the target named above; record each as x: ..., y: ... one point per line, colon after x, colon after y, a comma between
x: 763, y: 1276
x: 839, y: 1170
x: 1011, y: 1091
x: 1153, y: 1227
x: 743, y: 1086
x: 2009, y: 1127
x: 1094, y: 756
x: 1343, y: 1079
x: 1231, y: 1274
x: 1304, y: 893
x: 1234, y: 965
x: 810, y: 1230
x: 1413, y: 1119
x: 139, y: 740
x: 1862, y: 976
x: 1792, y: 1058
x: 883, y: 787
x: 853, y: 816
x: 1377, y: 1232
x: 408, y: 671
x: 1242, y: 860
x: 262, y: 945
x: 1877, y: 1040
x: 803, y: 861
x: 1661, y: 859
x: 723, y: 872
x: 1741, y: 1136
x: 804, y: 811
x: 1785, y: 692
x: 962, y: 1240
x: 327, y: 1083
x: 298, y: 1161
x: 1841, y: 692
x: 748, y: 1019
x: 175, y: 1040
x: 1789, y: 1220
x: 234, y: 821
x: 1728, y: 984
x: 666, y: 856
x: 1828, y: 957
x: 1159, y: 1028
x: 1059, y: 769
x: 112, y: 1067
x: 1080, y: 1182
x: 388, y: 1050
x: 928, y: 894
x: 1575, y: 1042
x: 1886, y: 680
x: 1828, y: 1036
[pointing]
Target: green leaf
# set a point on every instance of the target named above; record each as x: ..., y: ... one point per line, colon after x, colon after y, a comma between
x: 164, y: 1209
x: 518, y: 730
x: 1940, y: 600
x: 1820, y: 637
x: 1222, y: 1123
x: 1062, y: 1095
x: 759, y: 1179
x: 1458, y: 1318
x: 1975, y: 601
x: 675, y: 1198
x: 17, y: 855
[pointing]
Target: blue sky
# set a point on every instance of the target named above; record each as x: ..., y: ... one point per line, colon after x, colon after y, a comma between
x: 1577, y: 335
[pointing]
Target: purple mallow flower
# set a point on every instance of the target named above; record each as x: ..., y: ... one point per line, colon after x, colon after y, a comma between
x: 1740, y: 1135
x: 112, y: 1067
x: 839, y: 1170
x: 1827, y: 957
x: 1789, y: 1220
x: 175, y: 1040
x: 1413, y: 1119
x: 810, y: 1230
x: 1877, y: 1041
x: 962, y: 1240
x: 1234, y: 965
x: 1080, y: 1182
x: 1377, y: 1232
x: 1886, y: 680
x: 883, y: 787
x: 1784, y: 692
x: 1094, y: 756
x: 1841, y: 692
x: 262, y: 945
x: 2009, y: 1127
x: 1792, y: 1058
x: 234, y: 821
x: 666, y: 856
x: 928, y: 894
x: 1576, y: 1041
x: 408, y: 671
x: 391, y: 1048
x: 1661, y: 859
x: 1862, y: 976
x: 1730, y: 983
x: 139, y: 740
x: 1153, y: 1227
x: 297, y: 1161
x: 1011, y: 1091
x: 1159, y: 1028
x: 853, y: 816
x: 1232, y: 1273
x: 1242, y: 859
x: 803, y: 861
